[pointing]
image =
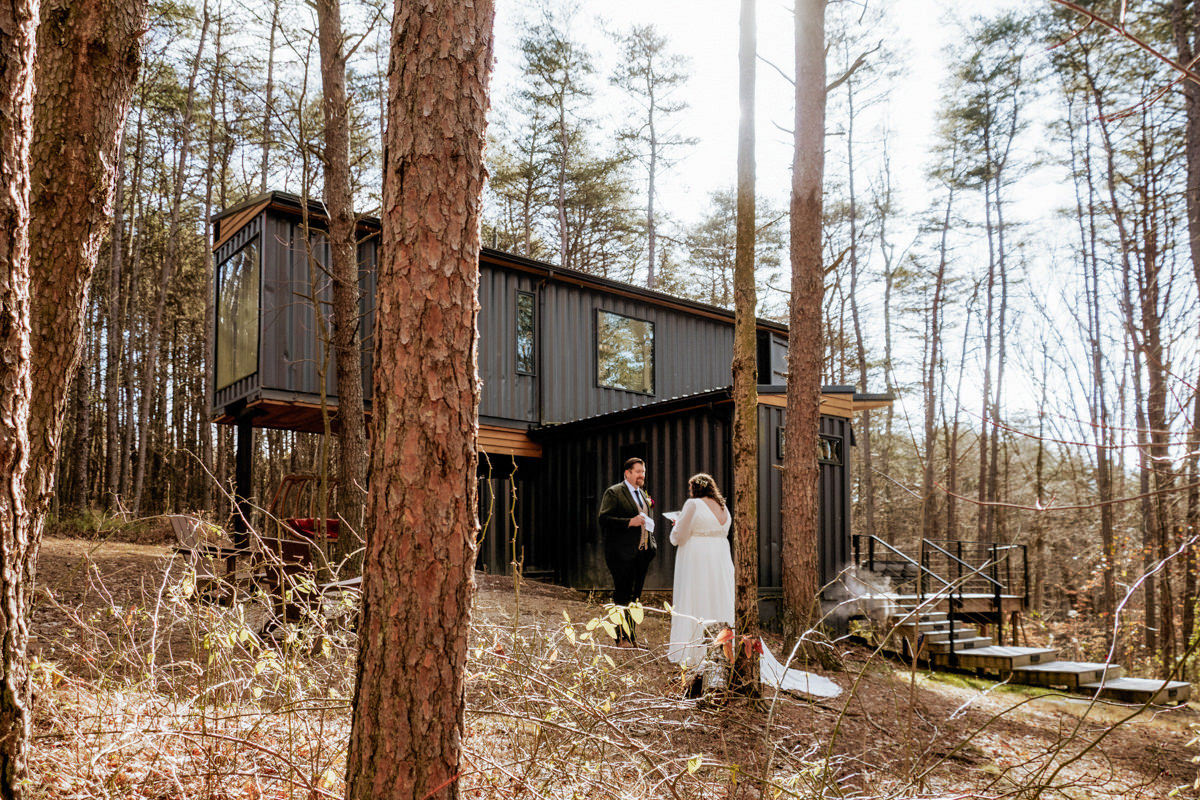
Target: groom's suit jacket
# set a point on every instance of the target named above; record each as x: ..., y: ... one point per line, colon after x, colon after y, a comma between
x: 616, y: 509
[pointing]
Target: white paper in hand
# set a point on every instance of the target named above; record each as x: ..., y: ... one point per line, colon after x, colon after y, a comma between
x: 672, y: 515
x: 649, y: 523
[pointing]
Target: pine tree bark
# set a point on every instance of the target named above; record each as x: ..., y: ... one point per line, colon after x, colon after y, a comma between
x: 269, y: 99
x: 801, y: 511
x: 88, y: 59
x: 209, y: 474
x: 418, y: 579
x: 18, y: 551
x: 745, y: 367
x: 114, y: 339
x: 929, y: 378
x: 866, y: 474
x: 343, y: 249
x: 169, y: 265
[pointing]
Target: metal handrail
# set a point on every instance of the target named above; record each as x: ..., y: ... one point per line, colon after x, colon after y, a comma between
x: 906, y: 557
x: 974, y: 570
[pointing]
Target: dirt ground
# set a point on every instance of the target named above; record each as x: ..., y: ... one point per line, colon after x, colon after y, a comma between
x: 949, y: 735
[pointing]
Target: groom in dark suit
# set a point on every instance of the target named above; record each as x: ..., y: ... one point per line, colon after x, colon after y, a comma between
x: 628, y: 545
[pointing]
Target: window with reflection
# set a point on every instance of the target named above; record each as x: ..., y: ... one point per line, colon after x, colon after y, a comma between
x: 624, y: 352
x: 829, y: 448
x: 526, y: 333
x: 237, y: 316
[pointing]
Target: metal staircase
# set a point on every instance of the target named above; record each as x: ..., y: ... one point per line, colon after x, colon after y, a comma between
x: 934, y: 620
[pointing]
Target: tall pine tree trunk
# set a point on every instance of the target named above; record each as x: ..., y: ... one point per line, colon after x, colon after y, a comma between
x: 209, y: 474
x: 418, y: 579
x: 18, y: 550
x: 114, y: 338
x: 343, y: 250
x: 1186, y: 22
x: 88, y: 58
x: 745, y: 368
x: 170, y: 259
x: 866, y: 474
x: 801, y: 511
x: 928, y: 500
x: 269, y: 98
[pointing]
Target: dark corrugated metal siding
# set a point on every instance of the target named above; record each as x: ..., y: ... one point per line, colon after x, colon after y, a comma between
x: 835, y: 503
x: 508, y: 499
x: 292, y: 350
x: 770, y: 499
x: 691, y: 353
x: 580, y: 466
x: 507, y: 394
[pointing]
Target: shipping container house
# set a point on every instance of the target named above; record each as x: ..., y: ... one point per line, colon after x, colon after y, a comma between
x: 578, y: 372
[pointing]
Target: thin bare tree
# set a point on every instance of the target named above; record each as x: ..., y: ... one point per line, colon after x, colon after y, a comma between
x: 745, y: 366
x: 801, y: 513
x: 343, y: 268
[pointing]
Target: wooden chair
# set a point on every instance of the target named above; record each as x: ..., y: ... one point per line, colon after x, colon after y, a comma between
x: 288, y: 560
x: 207, y: 551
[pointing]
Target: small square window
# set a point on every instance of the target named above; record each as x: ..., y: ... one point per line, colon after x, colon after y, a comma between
x: 829, y: 450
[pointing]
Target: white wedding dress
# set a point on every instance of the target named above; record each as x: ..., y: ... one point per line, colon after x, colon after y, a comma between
x: 703, y: 579
x: 704, y: 591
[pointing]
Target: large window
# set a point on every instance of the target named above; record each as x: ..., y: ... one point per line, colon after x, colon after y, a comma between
x: 237, y: 316
x: 624, y: 352
x: 526, y: 333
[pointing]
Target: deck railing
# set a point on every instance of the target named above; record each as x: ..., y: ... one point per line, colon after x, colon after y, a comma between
x: 950, y: 569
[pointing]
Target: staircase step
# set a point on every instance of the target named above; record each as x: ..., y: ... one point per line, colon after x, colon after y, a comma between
x: 910, y: 613
x: 1070, y: 674
x: 960, y: 644
x: 999, y: 659
x: 1139, y: 690
x: 926, y: 626
x: 961, y: 634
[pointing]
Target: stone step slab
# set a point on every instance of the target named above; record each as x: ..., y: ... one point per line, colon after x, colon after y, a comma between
x: 1069, y: 674
x: 1141, y: 690
x: 960, y: 644
x: 999, y: 659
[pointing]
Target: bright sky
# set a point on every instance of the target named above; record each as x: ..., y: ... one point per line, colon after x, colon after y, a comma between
x: 706, y: 32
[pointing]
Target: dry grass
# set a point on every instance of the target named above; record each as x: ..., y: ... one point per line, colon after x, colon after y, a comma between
x: 144, y: 692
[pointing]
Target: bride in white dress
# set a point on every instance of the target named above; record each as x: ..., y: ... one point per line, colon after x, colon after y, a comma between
x: 703, y: 570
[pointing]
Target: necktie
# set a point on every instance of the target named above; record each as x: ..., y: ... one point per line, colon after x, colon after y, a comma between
x: 641, y: 501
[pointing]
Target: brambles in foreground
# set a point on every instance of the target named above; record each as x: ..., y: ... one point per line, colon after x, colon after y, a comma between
x: 545, y: 716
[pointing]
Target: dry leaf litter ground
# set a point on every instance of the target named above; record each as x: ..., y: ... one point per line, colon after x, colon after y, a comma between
x: 142, y: 692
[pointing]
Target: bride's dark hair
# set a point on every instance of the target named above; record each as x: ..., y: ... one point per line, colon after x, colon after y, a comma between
x: 703, y: 485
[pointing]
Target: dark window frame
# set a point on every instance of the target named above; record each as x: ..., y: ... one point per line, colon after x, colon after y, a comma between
x: 596, y: 352
x: 533, y: 333
x: 254, y: 241
x: 837, y: 447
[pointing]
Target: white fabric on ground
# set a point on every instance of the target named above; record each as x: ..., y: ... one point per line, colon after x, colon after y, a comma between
x: 793, y: 680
